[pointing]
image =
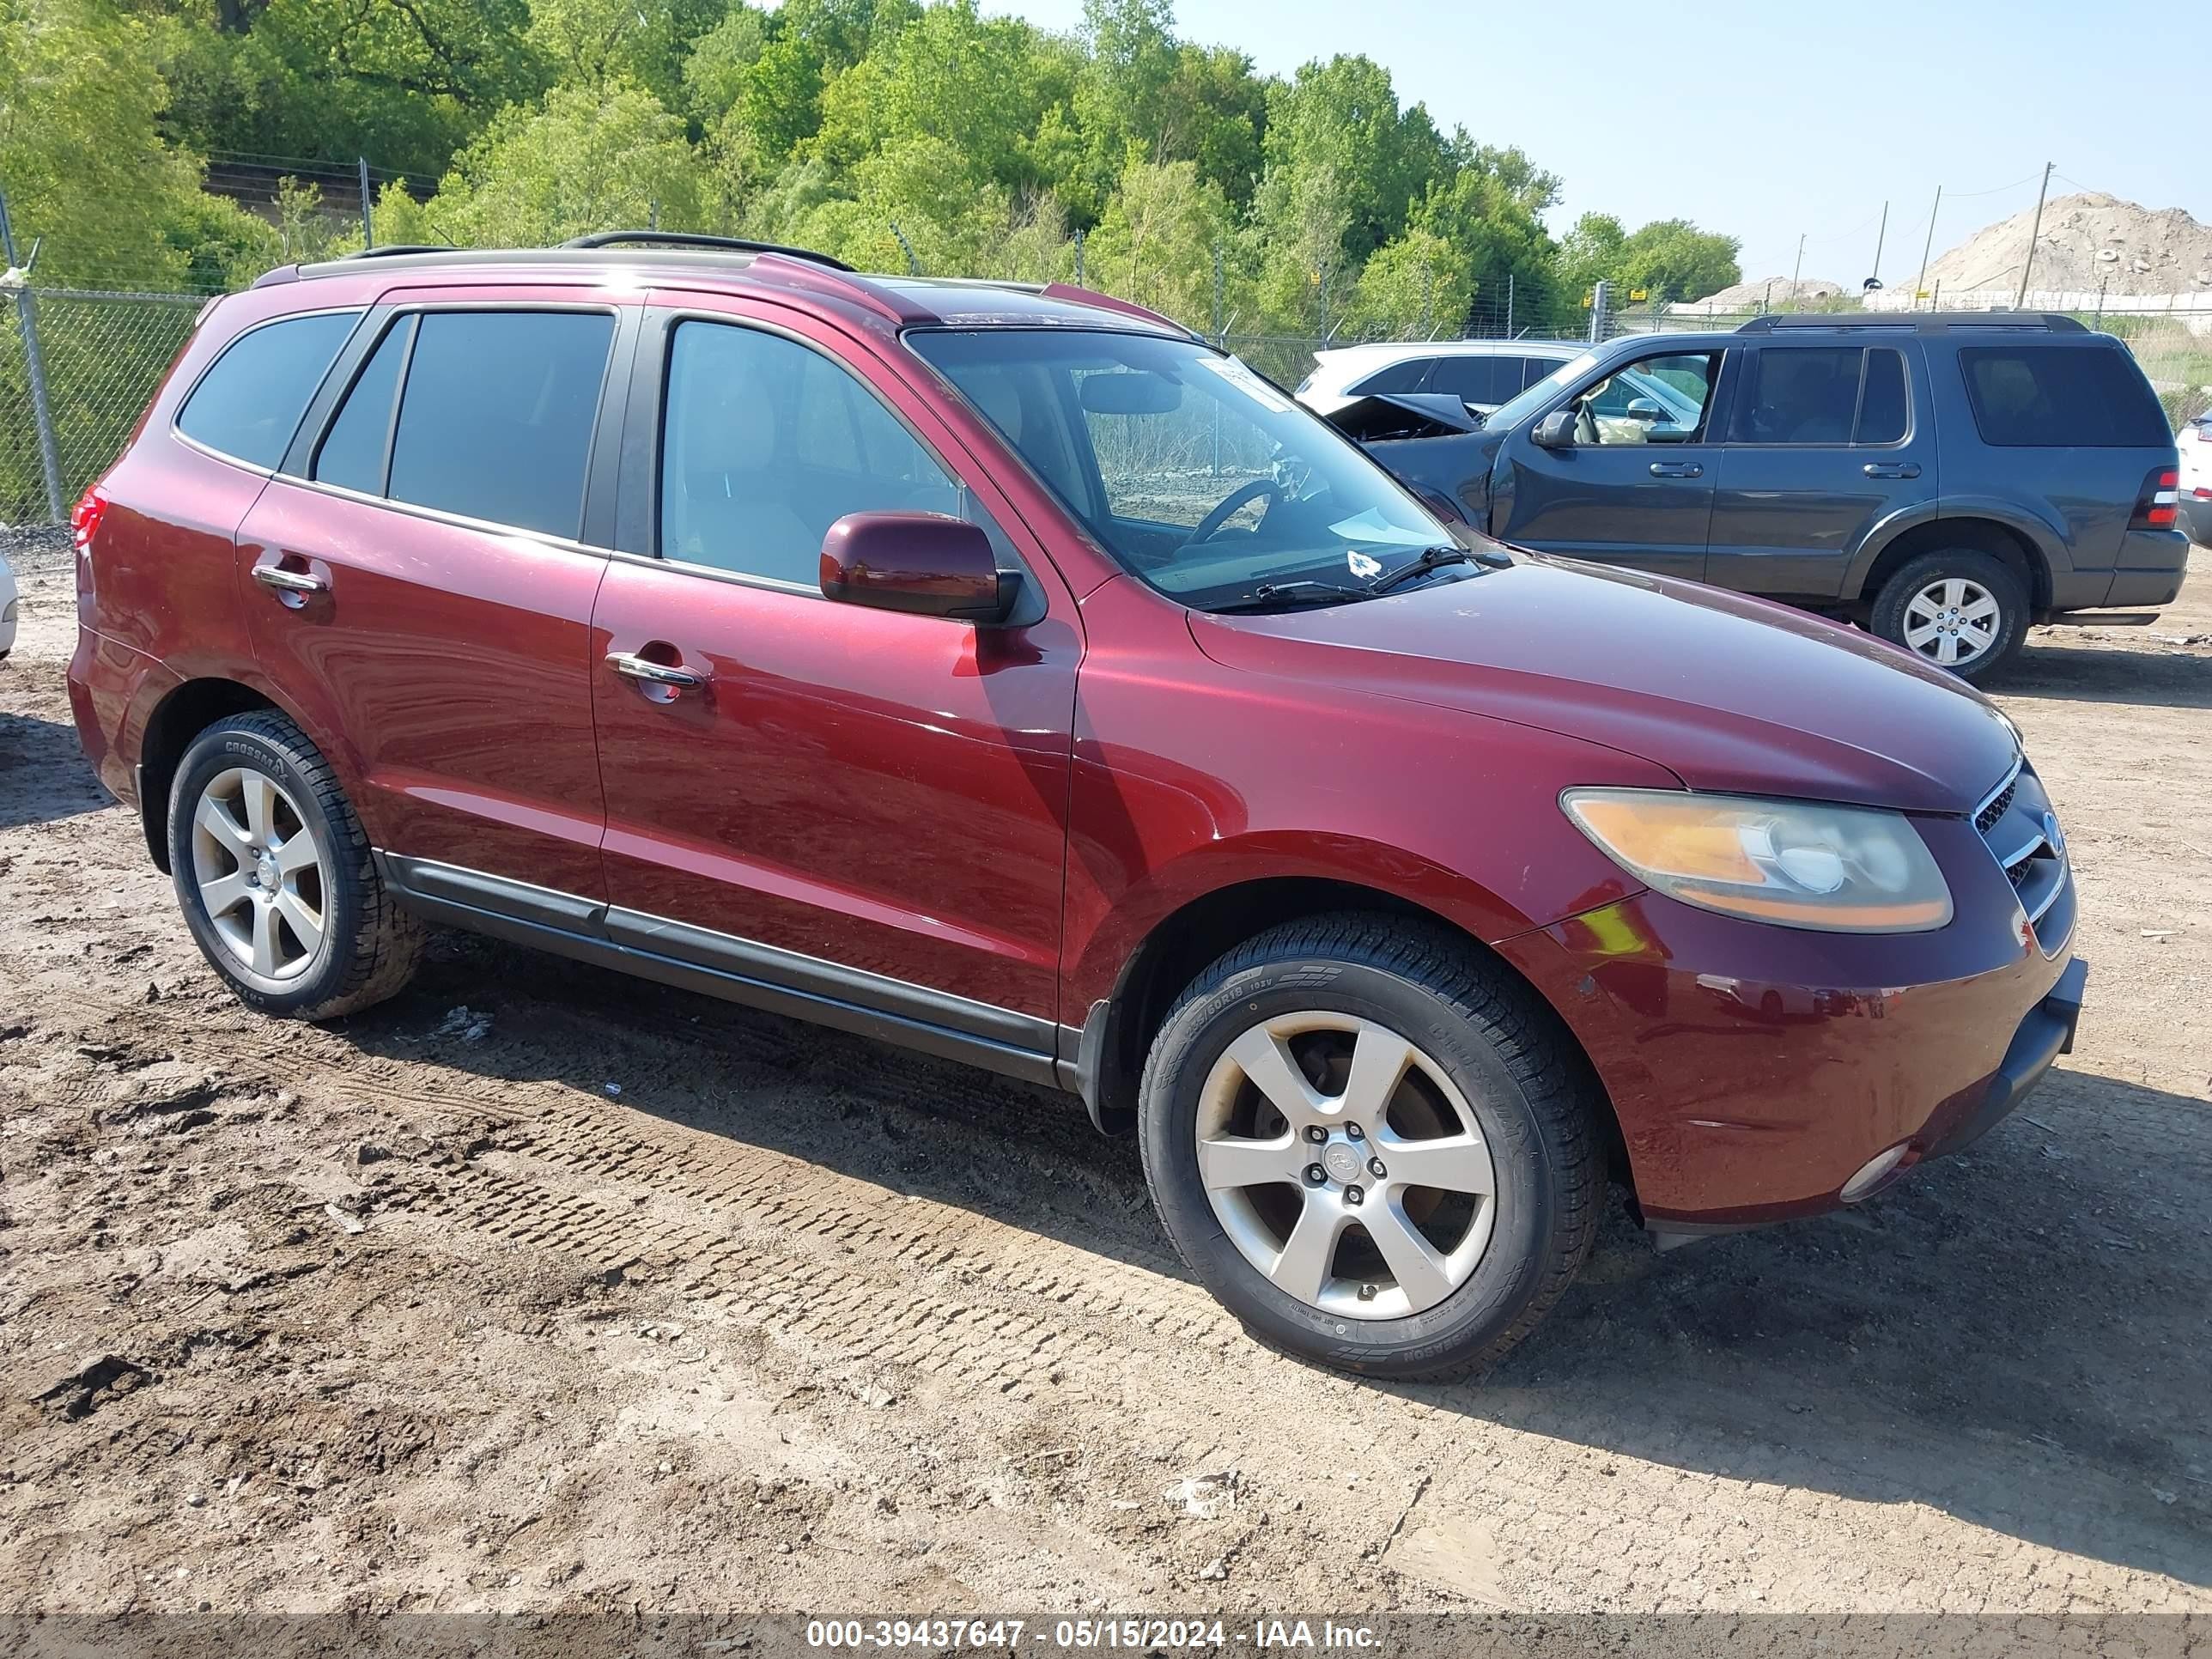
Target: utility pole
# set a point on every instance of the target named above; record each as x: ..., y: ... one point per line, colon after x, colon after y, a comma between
x: 1926, y: 246
x: 1880, y: 238
x: 1797, y: 301
x: 2028, y: 263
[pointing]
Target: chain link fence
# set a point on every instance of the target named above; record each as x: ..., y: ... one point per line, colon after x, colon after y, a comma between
x: 77, y: 366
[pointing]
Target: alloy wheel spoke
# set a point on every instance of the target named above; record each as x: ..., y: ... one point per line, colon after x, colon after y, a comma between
x: 264, y: 958
x: 1379, y: 1059
x: 1418, y: 1266
x: 225, y: 893
x: 1955, y: 593
x: 1264, y: 1059
x: 1452, y: 1163
x: 1947, y: 649
x: 260, y: 806
x: 307, y: 925
x: 1226, y: 1164
x: 1303, y: 1265
x: 226, y: 831
x: 1981, y: 610
x: 295, y: 853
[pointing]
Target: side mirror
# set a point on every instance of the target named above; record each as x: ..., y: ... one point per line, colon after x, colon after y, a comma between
x: 1555, y: 431
x: 928, y: 563
x: 1644, y: 409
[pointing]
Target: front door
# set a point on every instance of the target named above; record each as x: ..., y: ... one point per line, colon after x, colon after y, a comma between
x: 1822, y: 446
x: 418, y: 585
x: 865, y: 808
x: 1634, y: 485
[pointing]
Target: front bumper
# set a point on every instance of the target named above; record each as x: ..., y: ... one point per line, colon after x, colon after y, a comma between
x: 1756, y: 1070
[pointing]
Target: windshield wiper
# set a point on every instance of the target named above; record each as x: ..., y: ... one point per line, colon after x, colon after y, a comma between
x: 1435, y: 558
x: 1273, y: 596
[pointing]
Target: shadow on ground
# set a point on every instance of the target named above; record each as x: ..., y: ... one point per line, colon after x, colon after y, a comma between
x: 43, y: 775
x: 2016, y: 1336
x: 2080, y: 671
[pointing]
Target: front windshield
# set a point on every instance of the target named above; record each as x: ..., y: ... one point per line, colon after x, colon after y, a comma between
x: 1195, y: 473
x: 1514, y: 410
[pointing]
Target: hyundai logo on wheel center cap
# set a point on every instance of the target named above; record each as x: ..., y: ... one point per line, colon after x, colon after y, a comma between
x: 1343, y: 1162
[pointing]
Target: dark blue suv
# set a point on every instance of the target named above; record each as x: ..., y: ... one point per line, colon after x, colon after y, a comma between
x: 1943, y: 480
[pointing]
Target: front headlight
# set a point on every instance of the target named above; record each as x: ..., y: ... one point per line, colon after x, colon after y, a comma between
x: 1840, y: 869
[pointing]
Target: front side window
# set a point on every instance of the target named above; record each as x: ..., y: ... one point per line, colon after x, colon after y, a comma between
x: 1821, y: 395
x: 1196, y: 474
x: 1661, y: 399
x: 766, y: 443
x: 248, y: 406
x: 2034, y: 396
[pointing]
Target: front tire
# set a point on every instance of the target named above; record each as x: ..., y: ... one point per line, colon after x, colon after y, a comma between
x: 276, y: 878
x: 1959, y: 610
x: 1321, y: 1045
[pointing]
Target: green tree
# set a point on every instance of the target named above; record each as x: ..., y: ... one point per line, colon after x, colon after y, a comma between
x: 1673, y: 259
x: 1416, y: 284
x: 584, y: 161
x: 1343, y: 115
x: 1155, y: 243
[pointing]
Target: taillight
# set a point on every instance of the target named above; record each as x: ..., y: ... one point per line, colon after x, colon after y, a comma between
x: 84, y: 523
x: 2157, y: 510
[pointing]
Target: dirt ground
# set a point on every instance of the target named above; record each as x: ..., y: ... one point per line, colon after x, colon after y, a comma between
x: 419, y: 1312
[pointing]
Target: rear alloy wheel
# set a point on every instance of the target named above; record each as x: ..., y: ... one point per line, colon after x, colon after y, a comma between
x: 275, y: 877
x: 1374, y: 1144
x: 1961, y: 611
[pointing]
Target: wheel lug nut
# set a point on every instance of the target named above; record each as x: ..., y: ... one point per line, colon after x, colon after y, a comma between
x: 1375, y: 1167
x: 1354, y: 1131
x: 1316, y: 1134
x: 1316, y: 1174
x: 1353, y: 1196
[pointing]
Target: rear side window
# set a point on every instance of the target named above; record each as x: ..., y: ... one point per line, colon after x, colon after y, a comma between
x: 1405, y: 376
x: 494, y: 420
x: 1822, y: 395
x: 2048, y: 397
x: 248, y: 406
x: 1477, y: 379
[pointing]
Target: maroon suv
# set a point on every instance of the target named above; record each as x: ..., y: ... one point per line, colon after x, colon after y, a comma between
x: 1009, y: 674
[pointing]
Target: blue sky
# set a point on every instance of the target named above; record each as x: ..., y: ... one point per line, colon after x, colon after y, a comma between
x: 1769, y: 119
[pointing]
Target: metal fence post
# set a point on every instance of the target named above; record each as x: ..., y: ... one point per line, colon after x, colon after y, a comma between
x: 1079, y: 256
x: 1601, y: 297
x: 34, y: 369
x: 1508, y: 304
x: 368, y: 225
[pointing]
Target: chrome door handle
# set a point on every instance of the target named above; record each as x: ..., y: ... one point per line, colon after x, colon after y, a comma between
x: 654, y: 673
x: 289, y: 582
x: 1891, y: 469
x: 1676, y: 470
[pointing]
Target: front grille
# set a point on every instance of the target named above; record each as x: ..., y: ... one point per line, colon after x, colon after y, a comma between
x: 2015, y: 823
x: 1987, y: 818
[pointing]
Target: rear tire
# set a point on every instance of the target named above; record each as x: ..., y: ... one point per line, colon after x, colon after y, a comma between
x: 276, y: 878
x: 1957, y: 604
x: 1488, y: 1078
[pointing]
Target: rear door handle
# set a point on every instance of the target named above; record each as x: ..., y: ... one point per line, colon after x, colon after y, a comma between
x: 1891, y: 469
x: 654, y: 673
x: 1676, y: 470
x: 292, y: 587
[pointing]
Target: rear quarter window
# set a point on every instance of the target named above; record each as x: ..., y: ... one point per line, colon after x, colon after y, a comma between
x: 2052, y: 397
x: 248, y: 405
x: 1406, y: 376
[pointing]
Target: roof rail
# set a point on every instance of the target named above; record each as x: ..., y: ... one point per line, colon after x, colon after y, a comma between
x: 1926, y: 322
x: 388, y: 249
x: 699, y: 239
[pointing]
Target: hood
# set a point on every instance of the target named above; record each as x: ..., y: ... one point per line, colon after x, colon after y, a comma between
x: 1729, y: 693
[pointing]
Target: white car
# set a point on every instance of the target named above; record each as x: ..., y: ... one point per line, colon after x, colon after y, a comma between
x: 2195, y: 442
x: 1480, y: 374
x: 8, y: 608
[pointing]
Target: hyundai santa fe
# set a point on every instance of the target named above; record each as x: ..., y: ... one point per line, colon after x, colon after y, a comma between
x: 1006, y: 673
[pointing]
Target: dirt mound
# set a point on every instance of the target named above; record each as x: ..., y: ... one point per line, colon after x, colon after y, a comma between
x: 2088, y: 241
x: 1771, y: 291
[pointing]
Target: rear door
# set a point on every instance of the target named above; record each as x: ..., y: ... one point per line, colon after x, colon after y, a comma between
x: 862, y: 809
x: 420, y: 577
x: 1826, y: 443
x: 1635, y: 486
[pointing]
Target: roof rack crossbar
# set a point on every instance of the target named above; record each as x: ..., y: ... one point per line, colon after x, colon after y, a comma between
x: 1926, y: 322
x: 700, y: 239
x: 388, y: 249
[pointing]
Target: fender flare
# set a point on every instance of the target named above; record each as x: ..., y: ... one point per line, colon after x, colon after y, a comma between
x: 2045, y: 538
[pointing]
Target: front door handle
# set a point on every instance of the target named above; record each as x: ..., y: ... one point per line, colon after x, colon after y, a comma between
x: 1676, y: 470
x: 1891, y: 469
x: 654, y: 673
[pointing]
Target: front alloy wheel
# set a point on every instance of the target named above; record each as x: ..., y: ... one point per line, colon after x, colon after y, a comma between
x: 1345, y: 1165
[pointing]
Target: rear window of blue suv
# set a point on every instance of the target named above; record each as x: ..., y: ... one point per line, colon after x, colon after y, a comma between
x: 2051, y: 396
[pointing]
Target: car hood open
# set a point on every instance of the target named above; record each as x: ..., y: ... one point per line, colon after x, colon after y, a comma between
x: 1729, y: 693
